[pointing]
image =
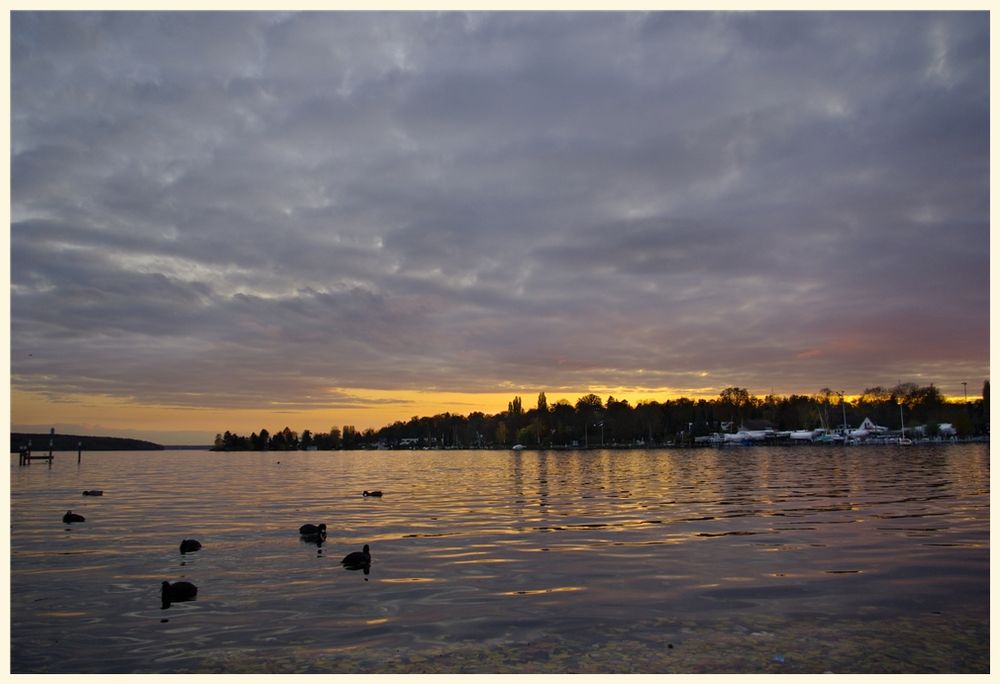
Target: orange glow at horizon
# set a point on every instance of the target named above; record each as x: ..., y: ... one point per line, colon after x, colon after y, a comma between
x: 110, y: 416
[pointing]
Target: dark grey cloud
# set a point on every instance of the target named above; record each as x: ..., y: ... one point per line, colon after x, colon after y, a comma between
x: 232, y: 209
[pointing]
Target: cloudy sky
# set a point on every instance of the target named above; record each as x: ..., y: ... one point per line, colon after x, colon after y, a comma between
x: 235, y: 220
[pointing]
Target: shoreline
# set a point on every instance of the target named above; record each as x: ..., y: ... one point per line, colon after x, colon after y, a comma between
x: 562, y: 448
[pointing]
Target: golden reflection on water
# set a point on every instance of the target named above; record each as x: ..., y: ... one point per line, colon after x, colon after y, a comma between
x: 548, y: 590
x: 407, y: 580
x: 483, y: 546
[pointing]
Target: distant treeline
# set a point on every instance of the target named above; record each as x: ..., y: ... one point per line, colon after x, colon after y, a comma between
x: 593, y: 422
x: 40, y: 442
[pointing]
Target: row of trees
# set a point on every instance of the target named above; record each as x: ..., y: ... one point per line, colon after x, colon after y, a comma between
x: 289, y: 440
x: 593, y: 422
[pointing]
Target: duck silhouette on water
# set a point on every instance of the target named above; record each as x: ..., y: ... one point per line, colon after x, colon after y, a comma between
x: 190, y: 545
x: 94, y: 492
x: 377, y: 492
x: 72, y: 517
x: 358, y: 560
x: 177, y: 592
x: 313, y: 534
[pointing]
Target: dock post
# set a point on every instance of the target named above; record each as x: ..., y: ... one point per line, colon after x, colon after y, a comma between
x: 52, y: 432
x: 79, y: 451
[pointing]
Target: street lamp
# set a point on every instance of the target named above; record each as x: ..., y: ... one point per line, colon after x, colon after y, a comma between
x: 965, y: 389
x: 844, y: 410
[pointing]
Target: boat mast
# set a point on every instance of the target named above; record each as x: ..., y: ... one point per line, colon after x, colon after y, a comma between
x: 844, y: 409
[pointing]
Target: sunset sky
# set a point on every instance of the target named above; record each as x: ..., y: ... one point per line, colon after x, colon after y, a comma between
x: 229, y: 221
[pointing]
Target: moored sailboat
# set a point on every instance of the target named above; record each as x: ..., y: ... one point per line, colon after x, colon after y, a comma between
x: 903, y: 439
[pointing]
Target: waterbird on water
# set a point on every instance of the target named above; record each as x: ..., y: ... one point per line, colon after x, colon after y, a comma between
x: 94, y: 492
x: 375, y: 493
x: 311, y: 530
x: 177, y: 592
x: 189, y: 545
x: 356, y: 560
x: 72, y: 517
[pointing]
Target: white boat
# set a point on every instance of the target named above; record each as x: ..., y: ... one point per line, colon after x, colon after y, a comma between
x: 827, y: 437
x: 747, y: 436
x: 946, y: 430
x: 903, y: 440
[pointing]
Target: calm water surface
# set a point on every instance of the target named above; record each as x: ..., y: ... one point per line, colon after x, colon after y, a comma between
x: 706, y: 560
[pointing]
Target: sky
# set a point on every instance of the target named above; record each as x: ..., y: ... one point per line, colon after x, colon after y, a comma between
x: 229, y: 221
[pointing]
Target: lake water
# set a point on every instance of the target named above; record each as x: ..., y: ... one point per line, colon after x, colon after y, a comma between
x: 806, y: 559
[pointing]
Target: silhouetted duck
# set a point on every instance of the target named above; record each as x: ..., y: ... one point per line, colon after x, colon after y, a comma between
x: 310, y: 530
x: 375, y: 493
x: 189, y: 545
x: 72, y: 517
x: 177, y: 592
x: 94, y: 492
x: 356, y: 560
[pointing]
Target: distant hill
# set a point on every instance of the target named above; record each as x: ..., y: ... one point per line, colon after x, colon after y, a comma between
x: 40, y: 442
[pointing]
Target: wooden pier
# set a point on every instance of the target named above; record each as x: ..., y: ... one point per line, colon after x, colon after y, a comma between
x: 26, y: 457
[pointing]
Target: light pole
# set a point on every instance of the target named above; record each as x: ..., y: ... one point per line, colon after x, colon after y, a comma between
x: 843, y: 408
x: 965, y: 390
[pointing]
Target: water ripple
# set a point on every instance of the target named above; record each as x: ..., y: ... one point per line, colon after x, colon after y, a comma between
x: 493, y: 546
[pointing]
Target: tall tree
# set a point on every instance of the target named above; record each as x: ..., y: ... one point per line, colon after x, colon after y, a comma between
x: 501, y: 433
x: 736, y: 398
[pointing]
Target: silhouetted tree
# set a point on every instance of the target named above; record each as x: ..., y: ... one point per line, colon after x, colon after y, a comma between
x: 735, y: 398
x: 501, y: 433
x: 649, y: 422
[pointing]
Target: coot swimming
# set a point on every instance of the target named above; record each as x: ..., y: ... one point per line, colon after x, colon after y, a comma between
x: 177, y: 592
x: 358, y: 559
x: 72, y: 517
x: 189, y: 545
